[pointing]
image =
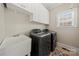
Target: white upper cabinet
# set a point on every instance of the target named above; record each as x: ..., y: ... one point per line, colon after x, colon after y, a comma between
x: 24, y: 6
x: 40, y: 13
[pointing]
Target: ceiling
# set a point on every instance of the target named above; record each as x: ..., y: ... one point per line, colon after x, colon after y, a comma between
x: 50, y: 6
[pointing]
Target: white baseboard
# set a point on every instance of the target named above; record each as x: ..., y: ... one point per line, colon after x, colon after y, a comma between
x: 71, y: 48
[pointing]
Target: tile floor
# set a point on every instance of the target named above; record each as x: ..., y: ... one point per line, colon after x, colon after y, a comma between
x: 59, y: 51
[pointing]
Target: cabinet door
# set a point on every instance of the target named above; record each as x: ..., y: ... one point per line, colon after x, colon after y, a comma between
x: 28, y: 6
x: 40, y: 13
x: 34, y: 8
x: 43, y: 14
x: 25, y: 6
x: 46, y: 17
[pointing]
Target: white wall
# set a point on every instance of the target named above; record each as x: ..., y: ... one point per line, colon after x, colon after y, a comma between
x: 2, y: 25
x: 13, y: 22
x: 65, y: 35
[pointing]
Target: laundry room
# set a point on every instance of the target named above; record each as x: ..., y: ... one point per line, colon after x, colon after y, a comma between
x: 39, y: 29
